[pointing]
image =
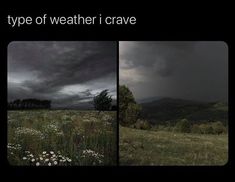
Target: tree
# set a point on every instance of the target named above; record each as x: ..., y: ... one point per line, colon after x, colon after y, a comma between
x: 103, y: 101
x: 30, y: 103
x: 129, y: 110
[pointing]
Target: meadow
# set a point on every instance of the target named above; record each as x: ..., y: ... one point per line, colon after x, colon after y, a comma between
x: 145, y: 147
x: 62, y: 138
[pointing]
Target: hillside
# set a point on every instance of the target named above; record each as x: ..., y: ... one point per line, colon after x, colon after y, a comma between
x: 143, y: 147
x: 168, y: 109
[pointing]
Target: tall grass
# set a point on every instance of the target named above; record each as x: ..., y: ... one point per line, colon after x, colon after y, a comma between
x: 61, y: 137
x: 144, y: 147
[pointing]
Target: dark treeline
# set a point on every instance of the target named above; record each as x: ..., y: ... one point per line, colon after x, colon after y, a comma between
x: 113, y: 108
x: 29, y: 104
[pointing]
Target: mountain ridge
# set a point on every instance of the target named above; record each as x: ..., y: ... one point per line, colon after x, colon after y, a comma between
x: 173, y: 109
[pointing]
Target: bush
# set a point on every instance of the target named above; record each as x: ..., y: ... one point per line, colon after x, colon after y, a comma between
x: 142, y: 124
x: 196, y: 129
x: 183, y: 126
x: 209, y: 128
x: 218, y: 127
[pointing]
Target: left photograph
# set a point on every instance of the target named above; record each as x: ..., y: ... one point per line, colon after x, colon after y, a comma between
x: 62, y: 103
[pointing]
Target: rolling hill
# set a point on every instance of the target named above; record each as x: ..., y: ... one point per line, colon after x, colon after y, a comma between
x: 169, y: 109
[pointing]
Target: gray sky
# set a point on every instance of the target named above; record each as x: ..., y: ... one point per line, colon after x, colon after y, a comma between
x: 68, y: 73
x: 195, y: 70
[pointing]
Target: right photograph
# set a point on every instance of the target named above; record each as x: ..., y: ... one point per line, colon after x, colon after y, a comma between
x: 173, y: 103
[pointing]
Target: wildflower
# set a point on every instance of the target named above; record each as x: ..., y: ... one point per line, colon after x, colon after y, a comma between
x: 49, y: 164
x: 55, y: 162
x: 46, y: 160
x: 51, y: 152
x: 37, y: 164
x: 33, y: 160
x: 22, y: 131
x: 41, y: 158
x: 44, y: 152
x: 24, y: 158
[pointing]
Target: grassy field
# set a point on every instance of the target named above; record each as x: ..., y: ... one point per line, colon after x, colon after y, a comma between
x: 61, y: 137
x: 142, y: 147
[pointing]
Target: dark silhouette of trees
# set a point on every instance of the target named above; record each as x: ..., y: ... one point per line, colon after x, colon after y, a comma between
x: 114, y: 108
x: 30, y: 103
x: 129, y: 110
x: 103, y: 101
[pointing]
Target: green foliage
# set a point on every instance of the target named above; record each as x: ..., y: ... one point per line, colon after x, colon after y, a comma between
x: 219, y: 128
x: 209, y: 128
x: 196, y: 128
x: 183, y: 126
x: 102, y: 102
x: 132, y: 113
x: 142, y: 124
x: 129, y: 110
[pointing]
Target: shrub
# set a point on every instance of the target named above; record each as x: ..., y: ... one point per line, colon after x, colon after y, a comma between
x: 196, y: 129
x: 209, y: 128
x: 218, y: 127
x: 183, y: 126
x: 142, y: 124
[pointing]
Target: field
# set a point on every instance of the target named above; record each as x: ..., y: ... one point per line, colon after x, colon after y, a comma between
x: 143, y: 147
x: 62, y: 138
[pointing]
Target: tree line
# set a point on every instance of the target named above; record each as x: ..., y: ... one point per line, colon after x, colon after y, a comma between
x: 101, y: 102
x: 29, y: 104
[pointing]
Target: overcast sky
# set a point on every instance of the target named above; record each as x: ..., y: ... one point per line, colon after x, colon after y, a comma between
x: 68, y: 73
x: 188, y: 70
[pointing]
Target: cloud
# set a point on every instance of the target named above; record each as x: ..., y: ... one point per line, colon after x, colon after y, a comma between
x: 43, y: 69
x: 190, y: 70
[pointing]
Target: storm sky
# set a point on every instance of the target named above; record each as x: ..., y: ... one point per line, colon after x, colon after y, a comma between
x: 68, y: 73
x: 194, y: 70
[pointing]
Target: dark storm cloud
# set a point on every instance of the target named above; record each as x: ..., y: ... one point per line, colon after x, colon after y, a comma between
x: 189, y: 70
x: 44, y: 69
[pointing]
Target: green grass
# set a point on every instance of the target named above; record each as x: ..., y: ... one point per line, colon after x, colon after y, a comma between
x: 61, y: 137
x: 143, y: 147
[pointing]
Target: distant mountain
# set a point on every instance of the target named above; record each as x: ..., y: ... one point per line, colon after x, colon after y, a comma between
x: 149, y: 99
x: 171, y: 110
x: 81, y: 106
